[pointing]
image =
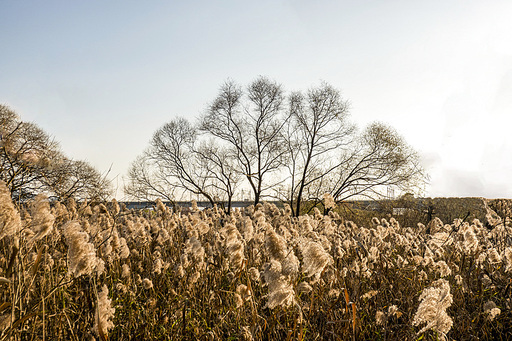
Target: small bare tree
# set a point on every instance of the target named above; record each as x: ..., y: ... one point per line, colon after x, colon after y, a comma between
x: 177, y: 161
x: 25, y: 153
x: 32, y: 162
x: 146, y: 183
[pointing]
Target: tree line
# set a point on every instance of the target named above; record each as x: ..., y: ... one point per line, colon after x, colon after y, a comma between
x: 31, y: 162
x: 291, y: 147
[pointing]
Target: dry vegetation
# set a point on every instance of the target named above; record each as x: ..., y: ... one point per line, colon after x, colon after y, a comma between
x: 80, y: 272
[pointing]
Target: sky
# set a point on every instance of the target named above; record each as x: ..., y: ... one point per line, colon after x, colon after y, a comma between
x: 103, y: 76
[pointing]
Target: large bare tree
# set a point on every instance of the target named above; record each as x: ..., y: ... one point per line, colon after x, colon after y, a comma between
x: 379, y: 158
x: 318, y: 129
x: 300, y: 149
x: 251, y: 123
x: 224, y: 176
x: 328, y: 155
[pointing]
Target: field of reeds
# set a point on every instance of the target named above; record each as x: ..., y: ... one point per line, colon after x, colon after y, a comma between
x: 98, y: 272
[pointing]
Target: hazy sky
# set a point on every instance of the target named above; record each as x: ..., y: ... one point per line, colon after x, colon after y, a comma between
x: 102, y: 76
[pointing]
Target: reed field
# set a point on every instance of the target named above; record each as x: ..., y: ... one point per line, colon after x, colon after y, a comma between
x: 98, y: 272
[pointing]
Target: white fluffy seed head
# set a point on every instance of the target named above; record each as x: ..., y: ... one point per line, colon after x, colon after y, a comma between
x: 244, y: 292
x: 443, y: 269
x: 104, y: 314
x: 42, y: 219
x: 432, y: 309
x: 491, y: 310
x: 125, y: 271
x: 380, y: 318
x: 315, y: 259
x: 254, y: 274
x: 275, y: 244
x: 281, y: 293
x: 82, y: 258
x: 508, y: 256
x: 147, y: 283
x: 329, y: 202
x: 10, y: 221
x: 304, y: 287
x: 493, y: 256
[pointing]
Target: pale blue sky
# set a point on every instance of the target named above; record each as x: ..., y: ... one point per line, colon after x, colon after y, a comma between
x: 102, y: 76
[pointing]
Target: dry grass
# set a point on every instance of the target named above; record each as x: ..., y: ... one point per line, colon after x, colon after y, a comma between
x: 258, y: 274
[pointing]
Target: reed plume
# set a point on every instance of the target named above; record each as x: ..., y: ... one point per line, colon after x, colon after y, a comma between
x: 10, y: 221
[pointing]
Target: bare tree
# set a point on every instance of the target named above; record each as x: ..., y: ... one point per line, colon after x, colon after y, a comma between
x: 317, y: 129
x: 224, y: 175
x: 25, y: 152
x: 305, y: 148
x: 78, y: 180
x: 177, y: 161
x: 328, y: 156
x: 252, y: 125
x: 145, y: 182
x: 31, y: 162
x: 379, y: 158
x: 172, y: 151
